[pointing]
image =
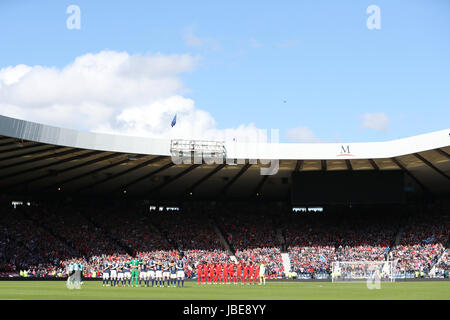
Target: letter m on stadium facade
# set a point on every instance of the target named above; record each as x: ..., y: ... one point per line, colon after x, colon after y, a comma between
x: 345, y: 149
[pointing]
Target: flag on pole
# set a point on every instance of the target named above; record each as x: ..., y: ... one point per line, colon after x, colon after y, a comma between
x: 174, y: 120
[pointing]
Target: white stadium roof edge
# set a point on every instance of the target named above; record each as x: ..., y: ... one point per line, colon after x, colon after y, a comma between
x: 31, y: 131
x: 39, y: 159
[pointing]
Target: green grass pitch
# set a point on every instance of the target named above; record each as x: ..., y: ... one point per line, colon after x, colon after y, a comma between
x: 52, y: 290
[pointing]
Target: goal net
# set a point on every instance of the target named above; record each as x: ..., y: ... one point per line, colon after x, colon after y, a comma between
x: 362, y: 271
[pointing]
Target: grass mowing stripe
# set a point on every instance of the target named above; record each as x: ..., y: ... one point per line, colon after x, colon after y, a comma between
x: 54, y: 290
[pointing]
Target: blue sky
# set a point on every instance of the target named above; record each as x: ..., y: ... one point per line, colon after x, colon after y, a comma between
x: 312, y: 65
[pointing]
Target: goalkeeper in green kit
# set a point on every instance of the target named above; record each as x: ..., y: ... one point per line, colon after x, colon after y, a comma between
x: 134, y: 270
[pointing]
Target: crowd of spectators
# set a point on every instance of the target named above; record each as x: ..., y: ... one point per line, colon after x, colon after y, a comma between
x: 442, y: 267
x: 24, y: 244
x: 190, y: 230
x: 270, y: 256
x: 315, y: 241
x: 69, y: 224
x: 43, y: 238
x: 311, y: 248
x: 250, y: 230
x: 421, y: 244
x: 248, y: 226
x: 100, y: 234
x: 131, y: 227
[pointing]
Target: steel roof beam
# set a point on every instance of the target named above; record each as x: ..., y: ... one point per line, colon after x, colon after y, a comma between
x: 85, y: 174
x: 43, y: 150
x: 209, y: 175
x: 18, y: 146
x: 172, y: 179
x: 141, y: 165
x: 374, y: 164
x: 260, y: 185
x: 428, y: 163
x: 397, y: 162
x: 349, y: 165
x: 240, y: 173
x: 298, y: 165
x: 109, y: 156
x: 148, y: 175
x: 64, y: 153
x: 443, y: 153
x: 46, y: 175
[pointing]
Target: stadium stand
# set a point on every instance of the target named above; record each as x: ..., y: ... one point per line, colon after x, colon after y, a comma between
x: 43, y: 237
x: 82, y: 198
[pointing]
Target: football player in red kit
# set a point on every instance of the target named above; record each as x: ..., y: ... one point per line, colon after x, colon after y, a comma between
x: 231, y: 273
x: 239, y: 272
x: 218, y: 270
x: 225, y: 273
x: 245, y: 275
x: 204, y: 273
x: 207, y: 274
x: 211, y: 273
x: 199, y: 273
x: 250, y: 272
x: 255, y: 273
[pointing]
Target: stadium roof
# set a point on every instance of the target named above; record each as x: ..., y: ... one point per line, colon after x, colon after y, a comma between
x: 42, y: 159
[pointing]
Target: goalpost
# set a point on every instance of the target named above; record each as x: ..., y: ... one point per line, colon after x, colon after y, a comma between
x: 362, y: 271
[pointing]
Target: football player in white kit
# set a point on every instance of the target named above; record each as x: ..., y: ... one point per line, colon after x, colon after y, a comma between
x: 158, y: 272
x: 106, y: 273
x: 166, y: 273
x: 120, y: 274
x: 180, y: 270
x: 114, y: 273
x: 143, y: 273
x: 127, y: 273
x: 173, y: 274
x: 151, y: 270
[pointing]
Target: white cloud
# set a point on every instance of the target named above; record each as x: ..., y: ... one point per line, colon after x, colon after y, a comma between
x: 302, y: 135
x: 113, y: 92
x: 375, y: 121
x: 194, y: 41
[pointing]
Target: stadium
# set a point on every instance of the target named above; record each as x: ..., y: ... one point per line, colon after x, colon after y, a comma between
x: 325, y: 220
x: 224, y: 158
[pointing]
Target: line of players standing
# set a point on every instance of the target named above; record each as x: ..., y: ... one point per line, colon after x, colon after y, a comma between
x: 226, y: 273
x: 118, y: 273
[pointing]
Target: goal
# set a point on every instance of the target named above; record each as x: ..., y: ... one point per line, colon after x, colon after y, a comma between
x: 362, y: 271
